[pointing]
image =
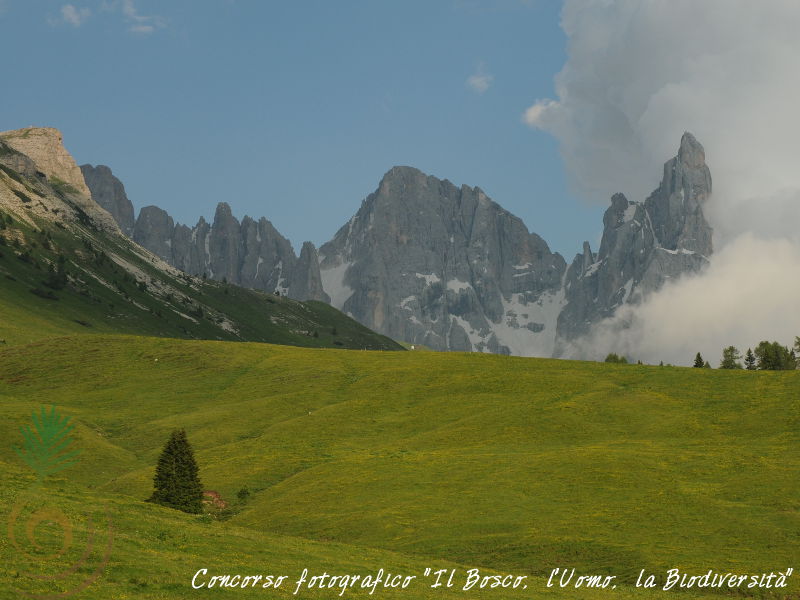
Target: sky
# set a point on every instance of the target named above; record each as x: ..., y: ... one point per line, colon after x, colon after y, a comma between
x: 295, y: 110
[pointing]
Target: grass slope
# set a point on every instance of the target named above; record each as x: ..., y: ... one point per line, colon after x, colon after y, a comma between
x: 520, y: 465
x: 112, y: 288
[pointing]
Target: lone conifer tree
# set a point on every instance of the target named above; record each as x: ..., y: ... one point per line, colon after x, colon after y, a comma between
x: 176, y: 483
x: 699, y: 363
x: 750, y: 360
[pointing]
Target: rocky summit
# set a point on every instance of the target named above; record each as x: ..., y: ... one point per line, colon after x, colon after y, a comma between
x: 644, y: 244
x: 431, y: 263
x: 38, y: 153
x: 249, y: 253
x: 109, y: 193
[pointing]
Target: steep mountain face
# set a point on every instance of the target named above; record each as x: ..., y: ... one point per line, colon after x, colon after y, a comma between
x: 250, y: 254
x: 644, y: 244
x: 38, y: 154
x: 109, y: 193
x: 430, y: 263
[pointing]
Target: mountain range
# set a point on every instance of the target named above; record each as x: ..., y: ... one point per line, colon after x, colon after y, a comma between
x: 427, y: 262
x: 431, y: 263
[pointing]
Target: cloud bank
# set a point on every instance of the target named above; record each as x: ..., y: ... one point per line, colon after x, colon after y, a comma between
x: 638, y: 74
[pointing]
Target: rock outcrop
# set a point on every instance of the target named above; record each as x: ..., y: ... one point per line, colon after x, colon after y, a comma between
x: 41, y: 154
x: 430, y: 263
x: 306, y: 280
x: 109, y: 193
x: 250, y: 254
x: 643, y: 245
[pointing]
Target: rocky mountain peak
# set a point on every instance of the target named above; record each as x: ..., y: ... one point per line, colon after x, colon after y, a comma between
x: 223, y: 213
x: 644, y: 244
x: 109, y: 193
x: 691, y: 152
x: 431, y: 263
x: 44, y: 146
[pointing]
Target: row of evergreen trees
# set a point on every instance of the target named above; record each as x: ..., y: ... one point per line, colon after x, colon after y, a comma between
x: 768, y: 356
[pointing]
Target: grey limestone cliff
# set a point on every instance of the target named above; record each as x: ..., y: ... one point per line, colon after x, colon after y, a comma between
x: 109, y: 193
x: 251, y: 253
x: 430, y: 263
x: 644, y: 244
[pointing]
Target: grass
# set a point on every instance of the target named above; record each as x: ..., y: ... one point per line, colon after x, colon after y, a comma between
x: 402, y: 460
x: 105, y: 295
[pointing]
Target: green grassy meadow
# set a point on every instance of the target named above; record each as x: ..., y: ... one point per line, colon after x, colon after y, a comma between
x: 358, y: 460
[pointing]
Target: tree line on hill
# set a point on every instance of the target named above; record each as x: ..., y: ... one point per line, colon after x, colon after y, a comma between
x: 767, y: 356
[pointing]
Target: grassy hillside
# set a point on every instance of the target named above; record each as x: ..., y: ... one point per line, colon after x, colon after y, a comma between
x: 110, y: 285
x: 413, y: 459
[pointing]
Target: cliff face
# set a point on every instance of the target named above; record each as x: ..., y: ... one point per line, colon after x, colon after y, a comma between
x: 430, y: 263
x: 643, y: 245
x: 39, y: 152
x: 250, y: 254
x: 109, y: 193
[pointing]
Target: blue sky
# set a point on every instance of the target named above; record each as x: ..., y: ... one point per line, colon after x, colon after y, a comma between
x: 294, y: 110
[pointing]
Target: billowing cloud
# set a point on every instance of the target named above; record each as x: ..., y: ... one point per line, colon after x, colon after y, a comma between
x: 749, y: 293
x: 638, y: 74
x: 480, y: 80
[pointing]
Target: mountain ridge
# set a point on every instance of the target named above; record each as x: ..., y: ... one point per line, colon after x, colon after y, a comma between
x: 428, y: 262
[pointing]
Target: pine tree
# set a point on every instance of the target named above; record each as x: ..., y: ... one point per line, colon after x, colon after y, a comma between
x: 750, y: 360
x: 699, y: 363
x: 176, y: 483
x: 730, y: 358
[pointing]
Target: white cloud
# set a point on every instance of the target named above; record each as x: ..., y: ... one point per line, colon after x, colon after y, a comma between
x: 480, y: 80
x: 749, y: 293
x: 638, y: 74
x: 68, y: 15
x: 137, y: 23
x: 74, y: 16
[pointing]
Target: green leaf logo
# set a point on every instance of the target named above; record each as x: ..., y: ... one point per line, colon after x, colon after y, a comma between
x: 46, y: 447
